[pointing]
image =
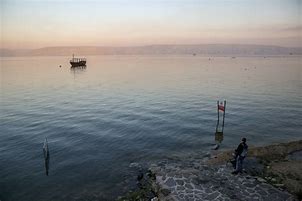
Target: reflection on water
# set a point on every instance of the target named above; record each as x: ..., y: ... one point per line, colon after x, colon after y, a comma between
x: 218, y: 140
x: 46, y: 156
x: 132, y: 109
x: 77, y: 69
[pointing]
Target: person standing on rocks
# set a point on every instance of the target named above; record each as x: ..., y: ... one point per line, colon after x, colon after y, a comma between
x: 240, y: 154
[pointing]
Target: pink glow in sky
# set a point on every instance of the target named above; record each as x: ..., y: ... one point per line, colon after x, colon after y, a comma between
x: 37, y: 23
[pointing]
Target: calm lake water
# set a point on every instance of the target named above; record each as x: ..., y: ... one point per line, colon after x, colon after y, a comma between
x: 125, y: 109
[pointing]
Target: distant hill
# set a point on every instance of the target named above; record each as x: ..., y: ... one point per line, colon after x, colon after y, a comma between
x: 201, y: 49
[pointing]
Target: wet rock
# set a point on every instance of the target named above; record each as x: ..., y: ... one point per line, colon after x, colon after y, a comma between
x: 135, y: 165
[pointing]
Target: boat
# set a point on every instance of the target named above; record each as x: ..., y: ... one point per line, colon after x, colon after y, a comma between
x: 77, y: 62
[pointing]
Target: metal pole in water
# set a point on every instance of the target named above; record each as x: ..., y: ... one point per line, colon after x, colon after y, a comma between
x: 217, y: 116
x: 223, y: 115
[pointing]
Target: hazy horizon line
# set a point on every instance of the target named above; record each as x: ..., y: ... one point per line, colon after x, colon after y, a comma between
x: 148, y: 45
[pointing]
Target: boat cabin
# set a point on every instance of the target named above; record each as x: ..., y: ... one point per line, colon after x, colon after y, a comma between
x: 75, y: 62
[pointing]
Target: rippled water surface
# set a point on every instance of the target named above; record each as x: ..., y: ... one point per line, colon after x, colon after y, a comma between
x: 125, y: 109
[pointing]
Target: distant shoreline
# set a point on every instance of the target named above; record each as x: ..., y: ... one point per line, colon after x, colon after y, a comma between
x: 194, y: 50
x: 163, y: 55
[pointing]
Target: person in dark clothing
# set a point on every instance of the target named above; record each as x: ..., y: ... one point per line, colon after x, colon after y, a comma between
x: 240, y: 154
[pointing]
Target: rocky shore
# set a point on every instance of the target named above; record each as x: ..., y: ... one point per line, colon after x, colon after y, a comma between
x: 272, y: 172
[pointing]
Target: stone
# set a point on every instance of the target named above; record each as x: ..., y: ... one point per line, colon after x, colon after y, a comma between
x: 220, y: 199
x: 194, y: 181
x: 198, y: 187
x: 170, y: 174
x: 186, y: 175
x: 170, y: 182
x: 180, y: 188
x: 189, y: 186
x: 279, y: 185
x: 212, y: 196
x: 179, y: 182
x: 154, y: 199
x: 261, y: 179
x: 249, y: 185
x: 202, y: 181
x: 135, y: 165
x: 273, y: 191
x: 250, y: 190
x: 165, y: 191
x: 208, y: 190
x: 233, y: 196
x: 190, y: 195
x: 255, y: 198
x: 192, y: 176
x: 261, y: 191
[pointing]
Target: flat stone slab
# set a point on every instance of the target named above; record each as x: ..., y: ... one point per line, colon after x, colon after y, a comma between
x: 193, y: 180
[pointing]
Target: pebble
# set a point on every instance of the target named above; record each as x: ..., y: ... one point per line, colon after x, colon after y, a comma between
x: 154, y: 199
x: 260, y: 179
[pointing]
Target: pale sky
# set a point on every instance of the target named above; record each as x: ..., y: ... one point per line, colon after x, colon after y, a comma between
x: 41, y: 23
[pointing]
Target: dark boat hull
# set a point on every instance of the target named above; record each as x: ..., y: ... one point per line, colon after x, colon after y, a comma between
x: 79, y: 63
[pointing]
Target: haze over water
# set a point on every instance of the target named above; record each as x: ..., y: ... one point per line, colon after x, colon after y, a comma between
x: 125, y: 109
